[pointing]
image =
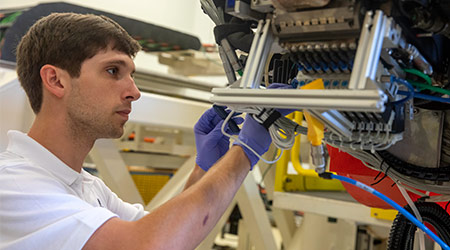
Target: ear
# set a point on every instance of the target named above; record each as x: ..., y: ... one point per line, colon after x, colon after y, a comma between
x: 52, y: 80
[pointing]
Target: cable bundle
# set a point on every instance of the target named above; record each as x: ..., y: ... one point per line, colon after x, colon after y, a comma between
x: 282, y: 130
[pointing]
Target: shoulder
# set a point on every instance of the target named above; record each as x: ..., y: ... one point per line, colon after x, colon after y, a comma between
x: 17, y: 173
x: 12, y: 164
x: 9, y: 159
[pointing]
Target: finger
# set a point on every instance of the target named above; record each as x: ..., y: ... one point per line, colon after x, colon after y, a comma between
x: 217, y: 131
x: 207, y: 121
x: 279, y: 86
x: 238, y: 120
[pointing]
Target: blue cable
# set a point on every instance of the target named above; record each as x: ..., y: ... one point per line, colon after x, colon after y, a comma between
x: 411, y: 93
x: 426, y: 97
x: 394, y: 205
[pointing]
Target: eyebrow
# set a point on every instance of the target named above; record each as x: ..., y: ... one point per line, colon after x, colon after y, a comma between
x: 120, y: 62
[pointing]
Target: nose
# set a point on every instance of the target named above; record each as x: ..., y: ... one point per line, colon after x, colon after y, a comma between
x: 133, y: 92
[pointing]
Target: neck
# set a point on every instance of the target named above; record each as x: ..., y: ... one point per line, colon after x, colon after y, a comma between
x: 70, y: 146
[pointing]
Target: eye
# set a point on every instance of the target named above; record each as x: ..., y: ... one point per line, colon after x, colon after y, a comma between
x: 112, y: 71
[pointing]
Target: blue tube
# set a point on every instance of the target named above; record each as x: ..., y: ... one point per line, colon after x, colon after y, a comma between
x: 426, y: 97
x: 409, y: 94
x: 394, y: 205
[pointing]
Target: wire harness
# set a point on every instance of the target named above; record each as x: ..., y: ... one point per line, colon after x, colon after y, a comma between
x: 282, y: 130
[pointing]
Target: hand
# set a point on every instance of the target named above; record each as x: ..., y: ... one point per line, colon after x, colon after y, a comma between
x: 255, y: 135
x: 211, y: 144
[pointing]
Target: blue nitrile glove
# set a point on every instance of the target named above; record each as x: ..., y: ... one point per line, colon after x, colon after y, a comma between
x: 210, y: 142
x: 255, y: 135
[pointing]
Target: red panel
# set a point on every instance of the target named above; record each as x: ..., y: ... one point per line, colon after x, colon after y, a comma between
x: 346, y: 165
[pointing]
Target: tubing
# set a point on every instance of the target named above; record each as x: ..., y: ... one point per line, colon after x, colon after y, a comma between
x: 426, y: 97
x: 394, y: 205
x: 416, y: 213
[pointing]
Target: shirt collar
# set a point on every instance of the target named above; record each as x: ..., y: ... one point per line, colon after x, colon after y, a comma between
x: 26, y: 147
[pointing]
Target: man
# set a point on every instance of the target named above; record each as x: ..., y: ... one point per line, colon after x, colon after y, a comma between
x: 77, y: 71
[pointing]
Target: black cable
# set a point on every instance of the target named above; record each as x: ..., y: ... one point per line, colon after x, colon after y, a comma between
x: 380, y: 180
x: 376, y: 177
x: 381, y: 167
x: 403, y: 231
x: 446, y: 206
x: 432, y: 174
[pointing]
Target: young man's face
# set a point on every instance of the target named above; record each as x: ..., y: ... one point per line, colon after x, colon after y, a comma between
x: 100, y: 99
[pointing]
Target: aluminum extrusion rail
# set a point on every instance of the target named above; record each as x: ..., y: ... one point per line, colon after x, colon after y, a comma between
x: 344, y: 100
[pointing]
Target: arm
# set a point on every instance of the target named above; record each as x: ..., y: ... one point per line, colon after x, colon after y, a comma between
x: 196, y: 174
x: 184, y: 221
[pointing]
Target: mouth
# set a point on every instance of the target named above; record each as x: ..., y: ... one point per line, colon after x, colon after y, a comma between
x: 124, y: 113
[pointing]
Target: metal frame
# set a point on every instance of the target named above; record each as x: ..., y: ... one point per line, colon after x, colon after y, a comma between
x: 261, y: 44
x: 334, y: 204
x: 362, y: 95
x: 348, y: 100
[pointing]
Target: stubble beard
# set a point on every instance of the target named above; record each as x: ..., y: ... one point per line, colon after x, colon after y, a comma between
x: 89, y: 122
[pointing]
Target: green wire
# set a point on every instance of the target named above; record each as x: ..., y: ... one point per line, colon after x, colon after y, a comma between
x: 422, y: 86
x: 419, y: 74
x: 240, y: 72
x: 11, y: 18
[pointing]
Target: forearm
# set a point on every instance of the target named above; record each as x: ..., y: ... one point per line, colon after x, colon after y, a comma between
x: 184, y: 221
x: 196, y: 174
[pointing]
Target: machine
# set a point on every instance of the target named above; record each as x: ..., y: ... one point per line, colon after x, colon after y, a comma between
x: 372, y: 78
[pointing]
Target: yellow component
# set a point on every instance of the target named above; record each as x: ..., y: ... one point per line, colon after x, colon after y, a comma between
x: 294, y: 183
x: 149, y: 184
x: 315, y: 130
x: 383, y: 214
x: 315, y: 127
x: 319, y: 184
x: 298, y: 118
x: 307, y: 179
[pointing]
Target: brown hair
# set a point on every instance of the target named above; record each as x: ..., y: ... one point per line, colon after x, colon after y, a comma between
x: 65, y: 40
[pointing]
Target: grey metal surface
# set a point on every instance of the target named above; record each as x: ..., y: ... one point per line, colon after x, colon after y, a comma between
x: 422, y: 140
x: 350, y: 100
x: 263, y: 6
x: 312, y: 25
x: 360, y: 53
x: 335, y: 122
x: 243, y: 11
x: 259, y: 51
x: 252, y: 58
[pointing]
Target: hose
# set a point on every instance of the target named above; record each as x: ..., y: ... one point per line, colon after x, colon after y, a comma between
x: 403, y: 231
x: 394, y: 205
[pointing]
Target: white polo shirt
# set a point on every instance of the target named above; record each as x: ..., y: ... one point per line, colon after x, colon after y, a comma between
x: 44, y: 204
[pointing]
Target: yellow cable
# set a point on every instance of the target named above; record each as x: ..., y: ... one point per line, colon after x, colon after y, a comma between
x: 315, y: 127
x: 295, y: 151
